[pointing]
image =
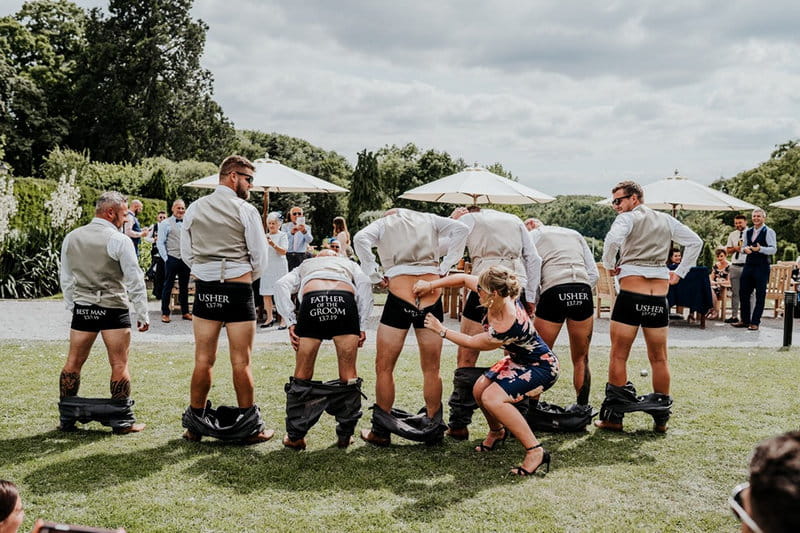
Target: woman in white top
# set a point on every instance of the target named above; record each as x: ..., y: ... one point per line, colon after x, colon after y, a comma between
x: 341, y: 234
x: 278, y: 242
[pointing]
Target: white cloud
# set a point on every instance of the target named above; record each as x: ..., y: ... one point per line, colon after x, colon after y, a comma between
x: 570, y: 97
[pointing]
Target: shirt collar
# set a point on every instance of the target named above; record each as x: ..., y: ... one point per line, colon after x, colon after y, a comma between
x: 102, y: 221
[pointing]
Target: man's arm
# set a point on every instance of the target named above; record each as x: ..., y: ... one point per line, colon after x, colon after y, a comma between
x: 66, y: 277
x: 127, y: 227
x: 161, y: 244
x: 456, y: 232
x: 121, y: 249
x: 284, y: 288
x: 187, y: 255
x: 772, y: 243
x: 364, y: 298
x: 255, y: 238
x: 589, y: 263
x: 619, y: 231
x: 533, y: 264
x: 363, y: 242
x: 682, y: 234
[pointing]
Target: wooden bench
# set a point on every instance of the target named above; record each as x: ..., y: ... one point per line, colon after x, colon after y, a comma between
x: 780, y: 280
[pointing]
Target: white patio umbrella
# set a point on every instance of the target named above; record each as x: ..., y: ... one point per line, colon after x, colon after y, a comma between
x: 476, y: 185
x: 676, y: 192
x: 789, y: 203
x: 271, y: 176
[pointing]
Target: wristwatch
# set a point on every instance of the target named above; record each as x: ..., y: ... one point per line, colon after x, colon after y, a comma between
x: 443, y: 333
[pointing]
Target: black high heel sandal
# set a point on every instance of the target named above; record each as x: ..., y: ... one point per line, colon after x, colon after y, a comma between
x: 519, y: 471
x: 484, y: 448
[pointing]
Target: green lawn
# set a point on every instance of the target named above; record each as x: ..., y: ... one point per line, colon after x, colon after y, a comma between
x: 725, y: 402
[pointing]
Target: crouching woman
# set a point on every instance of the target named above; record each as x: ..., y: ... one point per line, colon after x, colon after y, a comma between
x: 528, y: 368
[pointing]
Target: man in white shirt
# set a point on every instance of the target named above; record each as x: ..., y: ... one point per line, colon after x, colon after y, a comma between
x: 494, y: 238
x: 567, y: 276
x: 99, y: 271
x: 224, y: 243
x: 643, y: 238
x: 408, y: 245
x: 169, y: 248
x: 734, y: 248
x: 335, y: 303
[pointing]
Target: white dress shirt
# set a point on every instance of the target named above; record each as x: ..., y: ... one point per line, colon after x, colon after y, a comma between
x: 119, y: 248
x: 681, y: 234
x: 254, y: 236
x: 292, y: 284
x: 368, y: 238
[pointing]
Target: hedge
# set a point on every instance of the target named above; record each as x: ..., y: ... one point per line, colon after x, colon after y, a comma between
x: 31, y: 193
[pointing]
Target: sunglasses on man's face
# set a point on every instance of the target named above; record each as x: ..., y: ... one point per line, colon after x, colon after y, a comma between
x: 618, y: 200
x: 297, y: 214
x: 737, y: 507
x: 248, y: 177
x: 334, y: 247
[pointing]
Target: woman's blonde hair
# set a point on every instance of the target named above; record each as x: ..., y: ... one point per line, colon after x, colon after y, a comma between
x: 500, y: 279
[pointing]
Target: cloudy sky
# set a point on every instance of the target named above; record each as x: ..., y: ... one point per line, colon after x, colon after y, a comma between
x: 569, y: 96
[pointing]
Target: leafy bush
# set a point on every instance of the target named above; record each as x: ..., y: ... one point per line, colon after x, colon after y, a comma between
x: 29, y: 265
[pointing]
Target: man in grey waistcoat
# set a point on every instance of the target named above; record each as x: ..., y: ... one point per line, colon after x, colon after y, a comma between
x: 224, y: 244
x: 99, y: 272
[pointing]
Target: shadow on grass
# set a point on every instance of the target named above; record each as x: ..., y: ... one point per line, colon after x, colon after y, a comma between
x: 20, y: 450
x: 429, y: 480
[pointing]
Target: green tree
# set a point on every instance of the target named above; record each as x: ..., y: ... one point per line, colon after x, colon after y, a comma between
x: 142, y: 91
x: 577, y: 212
x: 365, y: 190
x: 38, y: 47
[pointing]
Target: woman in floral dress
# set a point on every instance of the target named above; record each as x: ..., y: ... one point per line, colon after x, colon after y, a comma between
x: 528, y: 368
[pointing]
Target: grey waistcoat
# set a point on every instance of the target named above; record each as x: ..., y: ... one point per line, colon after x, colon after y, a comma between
x: 173, y: 242
x: 495, y: 239
x: 217, y: 230
x: 98, y: 278
x: 410, y: 239
x: 562, y: 257
x: 650, y: 240
x: 335, y: 265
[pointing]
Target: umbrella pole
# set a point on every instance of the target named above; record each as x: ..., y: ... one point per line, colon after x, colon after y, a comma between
x: 265, y: 208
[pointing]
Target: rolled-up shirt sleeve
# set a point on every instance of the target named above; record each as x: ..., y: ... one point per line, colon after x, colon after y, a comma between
x: 619, y: 231
x: 121, y: 249
x: 67, y: 279
x: 284, y: 288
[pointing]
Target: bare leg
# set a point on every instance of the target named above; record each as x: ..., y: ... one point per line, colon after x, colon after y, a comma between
x: 346, y: 352
x: 240, y: 339
x: 580, y: 337
x: 430, y: 354
x: 622, y: 337
x: 495, y: 402
x: 80, y: 344
x: 306, y: 357
x: 547, y: 330
x: 117, y: 343
x: 388, y: 347
x: 206, y: 338
x: 268, y: 307
x: 656, y: 340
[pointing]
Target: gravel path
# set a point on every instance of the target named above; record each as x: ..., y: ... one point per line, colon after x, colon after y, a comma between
x: 48, y: 320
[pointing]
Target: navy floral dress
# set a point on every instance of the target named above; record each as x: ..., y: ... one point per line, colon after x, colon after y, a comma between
x: 529, y: 366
